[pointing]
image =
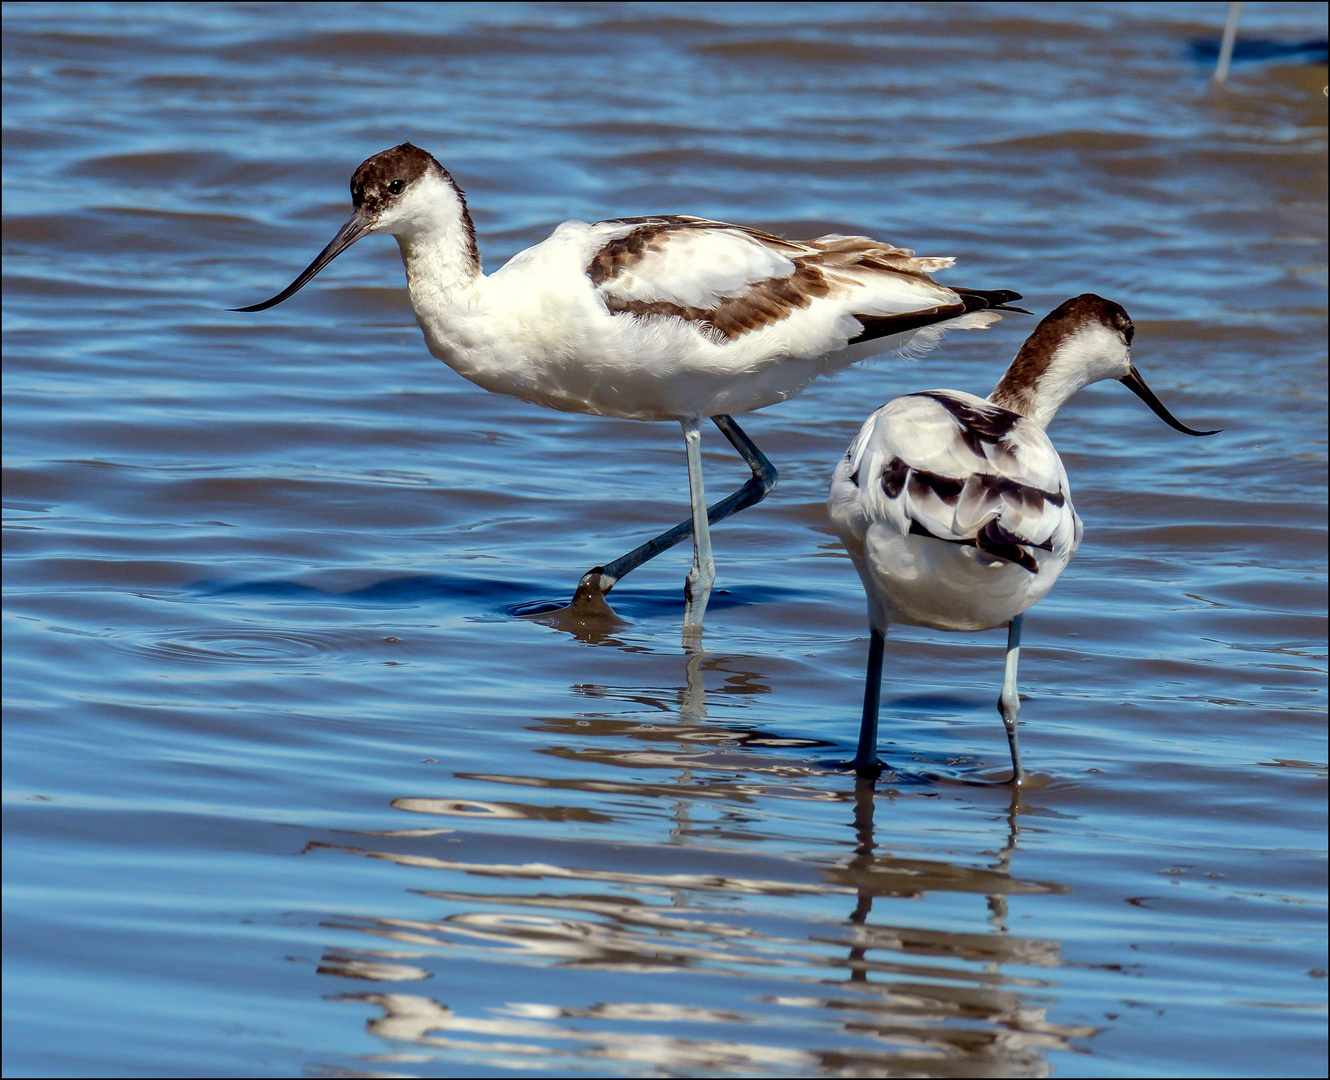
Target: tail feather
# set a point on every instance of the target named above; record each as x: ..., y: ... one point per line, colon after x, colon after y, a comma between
x: 995, y: 299
x: 880, y: 326
x: 991, y: 297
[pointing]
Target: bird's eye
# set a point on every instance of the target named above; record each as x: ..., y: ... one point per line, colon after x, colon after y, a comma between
x: 395, y: 188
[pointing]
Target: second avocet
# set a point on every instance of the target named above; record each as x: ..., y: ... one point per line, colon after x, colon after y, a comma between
x: 956, y: 509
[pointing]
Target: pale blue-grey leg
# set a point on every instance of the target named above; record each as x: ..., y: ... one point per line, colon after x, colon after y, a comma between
x: 866, y: 761
x: 600, y: 580
x: 1009, y: 703
x: 1226, y: 45
x: 697, y: 589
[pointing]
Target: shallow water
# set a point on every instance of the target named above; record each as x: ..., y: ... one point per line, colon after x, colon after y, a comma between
x: 290, y: 789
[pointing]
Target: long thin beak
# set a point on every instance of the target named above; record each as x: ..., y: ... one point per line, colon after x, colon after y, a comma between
x: 347, y: 235
x: 1136, y: 385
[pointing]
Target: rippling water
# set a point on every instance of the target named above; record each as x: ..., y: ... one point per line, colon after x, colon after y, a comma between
x: 290, y: 789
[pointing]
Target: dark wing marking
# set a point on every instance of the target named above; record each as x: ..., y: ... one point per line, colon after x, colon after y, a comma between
x: 1005, y: 487
x: 761, y: 302
x: 880, y: 326
x: 994, y: 540
x: 989, y: 421
x: 921, y: 484
x: 894, y: 475
x: 977, y: 426
x: 897, y: 475
x: 653, y: 233
x: 764, y: 303
x: 854, y: 475
x: 991, y: 536
x: 996, y: 299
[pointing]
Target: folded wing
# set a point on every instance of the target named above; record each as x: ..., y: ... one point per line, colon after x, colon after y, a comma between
x: 732, y: 281
x: 954, y: 467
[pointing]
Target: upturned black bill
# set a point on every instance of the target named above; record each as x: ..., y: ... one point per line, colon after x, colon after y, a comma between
x: 347, y: 235
x: 1136, y: 385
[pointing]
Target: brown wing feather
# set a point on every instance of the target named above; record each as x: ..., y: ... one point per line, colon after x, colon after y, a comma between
x: 827, y: 266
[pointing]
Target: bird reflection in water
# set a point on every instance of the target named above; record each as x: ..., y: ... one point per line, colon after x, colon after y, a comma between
x: 722, y: 866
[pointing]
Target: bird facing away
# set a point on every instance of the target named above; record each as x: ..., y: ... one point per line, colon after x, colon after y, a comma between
x: 956, y: 510
x: 651, y: 318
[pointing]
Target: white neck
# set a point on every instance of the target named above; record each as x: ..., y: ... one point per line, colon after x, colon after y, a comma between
x: 437, y: 264
x: 436, y: 237
x: 1088, y: 355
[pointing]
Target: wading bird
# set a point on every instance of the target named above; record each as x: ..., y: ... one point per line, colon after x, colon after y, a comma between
x: 956, y: 510
x: 650, y: 318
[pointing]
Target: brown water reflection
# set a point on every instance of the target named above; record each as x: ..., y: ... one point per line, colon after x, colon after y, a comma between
x: 915, y: 999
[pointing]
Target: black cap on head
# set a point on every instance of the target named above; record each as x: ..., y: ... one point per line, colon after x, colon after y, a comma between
x: 379, y: 179
x: 1090, y: 308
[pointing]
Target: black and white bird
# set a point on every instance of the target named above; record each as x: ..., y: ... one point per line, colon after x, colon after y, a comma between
x: 956, y: 510
x: 651, y: 318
